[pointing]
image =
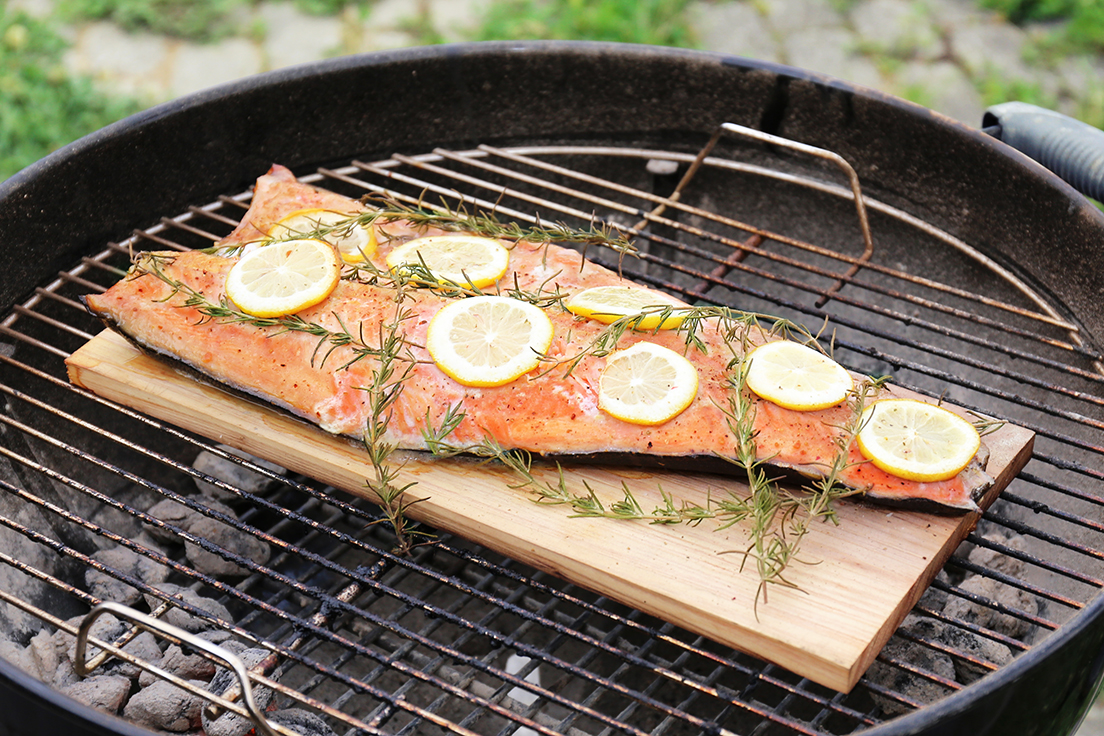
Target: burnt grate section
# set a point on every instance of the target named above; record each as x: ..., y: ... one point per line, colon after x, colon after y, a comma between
x: 454, y: 638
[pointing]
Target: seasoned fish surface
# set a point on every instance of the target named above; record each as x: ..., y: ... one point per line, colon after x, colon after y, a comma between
x: 551, y: 411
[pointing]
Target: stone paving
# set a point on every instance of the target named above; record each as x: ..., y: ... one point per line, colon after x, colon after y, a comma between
x: 939, y: 53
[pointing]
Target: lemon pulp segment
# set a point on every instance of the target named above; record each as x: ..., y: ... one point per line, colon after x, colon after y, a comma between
x: 283, y: 278
x: 460, y: 259
x: 796, y: 376
x: 488, y: 340
x: 610, y: 303
x: 647, y: 384
x: 915, y: 440
x: 354, y: 242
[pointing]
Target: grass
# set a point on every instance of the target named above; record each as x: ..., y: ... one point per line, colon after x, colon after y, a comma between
x: 41, y: 106
x: 657, y: 22
x: 200, y: 20
x: 196, y: 20
x: 1082, y: 27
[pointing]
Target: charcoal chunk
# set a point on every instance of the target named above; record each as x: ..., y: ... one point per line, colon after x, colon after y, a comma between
x: 22, y: 658
x: 302, y: 722
x: 232, y: 473
x: 104, y: 692
x: 179, y: 515
x: 912, y: 687
x: 184, y: 666
x: 231, y: 724
x: 988, y: 616
x: 995, y: 560
x: 977, y: 647
x: 45, y: 652
x: 164, y: 706
x: 218, y: 532
x: 968, y: 651
x: 126, y: 561
x: 232, y: 540
x: 178, y: 617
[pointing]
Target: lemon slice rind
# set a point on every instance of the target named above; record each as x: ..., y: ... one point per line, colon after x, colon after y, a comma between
x: 916, y: 440
x: 607, y: 304
x: 647, y: 384
x: 467, y: 260
x: 283, y: 278
x: 487, y: 341
x: 796, y: 376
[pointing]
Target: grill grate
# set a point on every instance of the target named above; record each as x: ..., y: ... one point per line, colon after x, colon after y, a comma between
x: 378, y: 643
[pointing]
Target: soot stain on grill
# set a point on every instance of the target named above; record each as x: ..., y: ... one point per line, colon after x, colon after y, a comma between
x: 774, y: 112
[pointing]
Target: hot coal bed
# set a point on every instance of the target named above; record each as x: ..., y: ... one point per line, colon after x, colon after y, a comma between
x: 982, y: 285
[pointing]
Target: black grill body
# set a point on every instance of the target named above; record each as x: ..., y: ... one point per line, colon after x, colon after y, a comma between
x: 189, y: 152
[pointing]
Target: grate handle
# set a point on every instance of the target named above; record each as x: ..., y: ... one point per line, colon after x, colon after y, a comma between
x: 1070, y: 148
x: 211, y: 650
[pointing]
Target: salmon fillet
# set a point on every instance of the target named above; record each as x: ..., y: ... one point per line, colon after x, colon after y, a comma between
x: 552, y: 411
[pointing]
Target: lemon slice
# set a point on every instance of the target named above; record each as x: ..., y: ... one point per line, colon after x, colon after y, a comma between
x: 647, y: 384
x: 355, y: 243
x: 283, y: 278
x: 488, y: 340
x: 461, y: 259
x: 796, y: 376
x: 916, y: 440
x: 610, y: 303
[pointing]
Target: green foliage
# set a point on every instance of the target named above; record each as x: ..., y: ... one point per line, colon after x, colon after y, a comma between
x: 1084, y: 19
x: 995, y: 88
x: 198, y: 20
x: 1086, y: 25
x: 41, y: 107
x: 327, y: 7
x: 1022, y: 11
x: 659, y: 22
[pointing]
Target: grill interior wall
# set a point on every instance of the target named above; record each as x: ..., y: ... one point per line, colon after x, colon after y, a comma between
x: 428, y: 637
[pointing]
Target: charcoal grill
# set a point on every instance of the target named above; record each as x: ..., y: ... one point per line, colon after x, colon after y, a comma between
x: 980, y: 282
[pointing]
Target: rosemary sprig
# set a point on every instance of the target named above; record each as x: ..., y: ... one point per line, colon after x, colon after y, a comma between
x: 735, y: 328
x: 985, y: 425
x: 768, y: 546
x: 329, y: 340
x: 383, y: 391
x: 435, y: 437
x: 386, y: 209
x: 419, y: 276
x: 817, y: 504
x: 778, y: 519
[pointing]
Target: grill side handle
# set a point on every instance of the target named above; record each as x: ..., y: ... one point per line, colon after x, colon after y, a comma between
x: 1070, y: 148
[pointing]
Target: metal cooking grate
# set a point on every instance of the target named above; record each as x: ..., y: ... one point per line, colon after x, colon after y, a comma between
x: 423, y: 644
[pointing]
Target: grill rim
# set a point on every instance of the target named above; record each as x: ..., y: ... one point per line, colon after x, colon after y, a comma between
x: 780, y: 95
x: 46, y: 710
x: 1090, y: 621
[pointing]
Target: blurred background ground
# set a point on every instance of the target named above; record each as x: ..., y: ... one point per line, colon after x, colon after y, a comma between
x: 69, y: 67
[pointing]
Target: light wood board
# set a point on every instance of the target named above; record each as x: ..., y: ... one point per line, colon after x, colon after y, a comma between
x: 868, y: 571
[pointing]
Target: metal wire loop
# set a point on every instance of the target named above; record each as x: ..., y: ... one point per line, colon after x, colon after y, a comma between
x: 210, y: 650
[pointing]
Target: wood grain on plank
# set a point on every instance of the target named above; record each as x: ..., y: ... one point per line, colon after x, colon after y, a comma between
x: 854, y: 583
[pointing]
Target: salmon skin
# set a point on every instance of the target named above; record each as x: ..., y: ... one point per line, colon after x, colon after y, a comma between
x: 164, y: 306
